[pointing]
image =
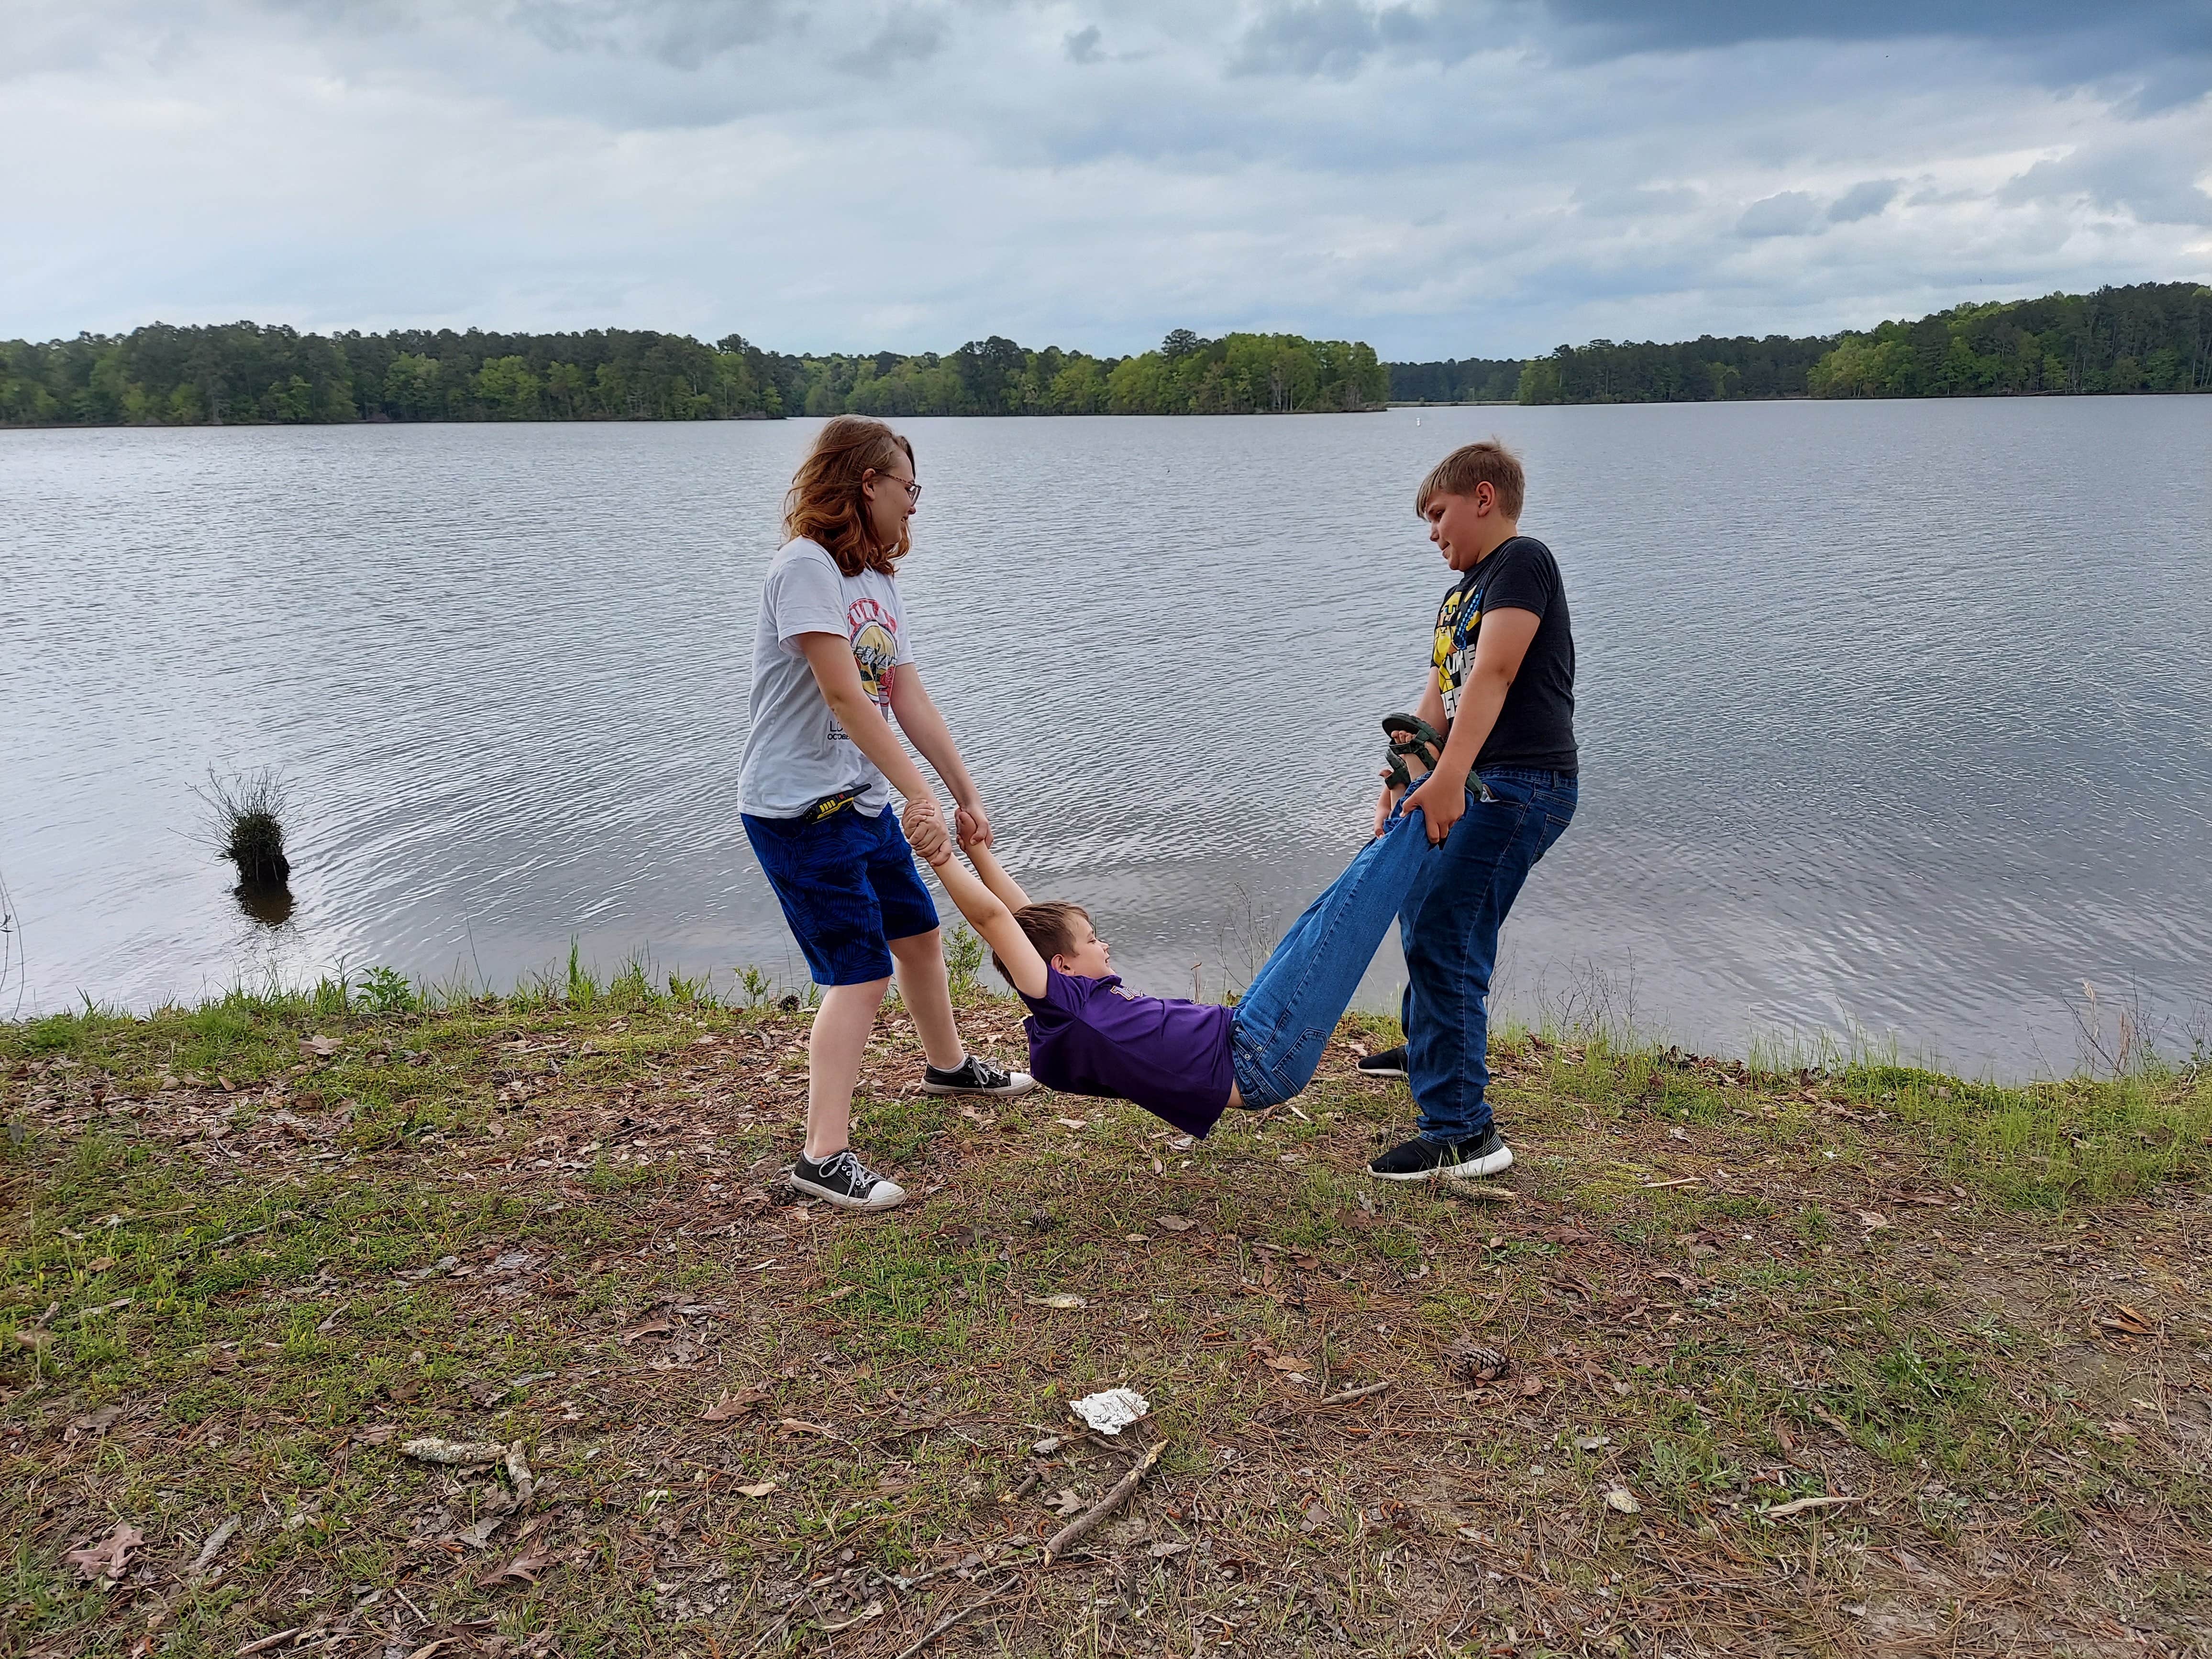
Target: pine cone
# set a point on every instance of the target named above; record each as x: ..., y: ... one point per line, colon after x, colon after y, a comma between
x: 1474, y: 1363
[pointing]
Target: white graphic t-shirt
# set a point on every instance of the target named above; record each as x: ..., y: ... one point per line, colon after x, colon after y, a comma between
x: 795, y: 751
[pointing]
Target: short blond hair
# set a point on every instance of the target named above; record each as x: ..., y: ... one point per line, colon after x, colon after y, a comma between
x: 1488, y: 462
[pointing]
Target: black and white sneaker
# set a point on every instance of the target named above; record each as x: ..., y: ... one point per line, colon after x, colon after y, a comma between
x: 846, y: 1181
x: 1486, y: 1154
x: 975, y: 1076
x: 1391, y: 1062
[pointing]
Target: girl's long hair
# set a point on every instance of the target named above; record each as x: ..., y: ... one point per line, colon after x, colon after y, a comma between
x: 825, y: 505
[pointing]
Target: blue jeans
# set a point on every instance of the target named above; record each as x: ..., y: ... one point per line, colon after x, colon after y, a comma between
x: 1449, y: 925
x: 1285, y: 1019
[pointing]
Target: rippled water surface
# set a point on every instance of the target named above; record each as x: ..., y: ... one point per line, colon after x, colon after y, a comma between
x: 1894, y: 716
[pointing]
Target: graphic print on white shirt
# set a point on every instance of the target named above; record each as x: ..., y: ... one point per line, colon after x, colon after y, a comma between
x: 874, y: 633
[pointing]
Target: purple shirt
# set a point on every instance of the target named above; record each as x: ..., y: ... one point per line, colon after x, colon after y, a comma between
x: 1089, y: 1036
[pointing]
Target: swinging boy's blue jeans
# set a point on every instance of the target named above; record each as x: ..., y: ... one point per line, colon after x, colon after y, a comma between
x: 1449, y: 925
x: 1286, y: 1019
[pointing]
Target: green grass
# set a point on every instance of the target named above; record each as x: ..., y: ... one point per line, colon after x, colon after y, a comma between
x: 1697, y: 1309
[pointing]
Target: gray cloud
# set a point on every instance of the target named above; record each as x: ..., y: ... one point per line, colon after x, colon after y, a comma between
x: 1791, y: 213
x: 1864, y: 201
x: 2154, y: 184
x: 908, y: 36
x: 2146, y: 28
x: 1331, y: 38
x: 685, y: 34
x: 1336, y: 39
x: 2165, y: 45
x: 1440, y: 179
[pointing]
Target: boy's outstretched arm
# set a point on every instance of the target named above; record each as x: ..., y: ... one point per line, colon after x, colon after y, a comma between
x: 1008, y: 891
x: 992, y: 917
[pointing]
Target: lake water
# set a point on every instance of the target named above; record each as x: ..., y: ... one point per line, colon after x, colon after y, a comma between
x: 1895, y: 716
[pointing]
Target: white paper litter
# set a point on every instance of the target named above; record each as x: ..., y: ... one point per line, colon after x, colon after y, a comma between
x: 1111, y: 1411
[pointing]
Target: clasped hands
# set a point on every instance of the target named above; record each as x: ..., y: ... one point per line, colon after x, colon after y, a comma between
x: 924, y: 824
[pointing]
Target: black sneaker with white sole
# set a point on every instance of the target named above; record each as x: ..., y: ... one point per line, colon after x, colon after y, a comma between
x: 846, y: 1181
x: 1391, y: 1062
x: 1486, y: 1154
x: 975, y: 1076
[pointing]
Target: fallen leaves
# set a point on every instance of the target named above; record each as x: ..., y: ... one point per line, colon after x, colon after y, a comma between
x: 1829, y: 1418
x: 791, y: 1426
x: 221, y: 1535
x: 1621, y: 1501
x: 757, y: 1489
x: 109, y: 1559
x: 654, y: 1326
x: 734, y: 1405
x: 2124, y: 1320
x: 524, y: 1569
x: 94, y: 1422
x: 320, y: 1047
x: 1873, y: 1220
x: 1064, y: 1300
x: 1174, y: 1223
x: 1065, y: 1504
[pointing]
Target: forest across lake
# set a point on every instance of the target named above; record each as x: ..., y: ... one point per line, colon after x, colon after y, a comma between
x: 2150, y: 338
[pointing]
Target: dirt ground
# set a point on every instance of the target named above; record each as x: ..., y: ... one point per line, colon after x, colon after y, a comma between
x: 1728, y: 1363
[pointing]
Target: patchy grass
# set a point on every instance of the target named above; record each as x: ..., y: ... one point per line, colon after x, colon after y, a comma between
x: 241, y: 1273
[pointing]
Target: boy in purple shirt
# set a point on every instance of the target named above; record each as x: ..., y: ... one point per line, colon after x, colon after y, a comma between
x: 1187, y: 1061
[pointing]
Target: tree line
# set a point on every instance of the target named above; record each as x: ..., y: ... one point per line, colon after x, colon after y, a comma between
x: 2153, y: 336
x: 246, y: 373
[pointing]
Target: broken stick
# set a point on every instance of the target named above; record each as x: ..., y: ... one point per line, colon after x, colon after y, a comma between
x: 1084, y: 1523
x: 1348, y: 1395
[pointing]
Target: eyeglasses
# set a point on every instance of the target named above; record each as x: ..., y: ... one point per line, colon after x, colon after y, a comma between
x: 912, y: 489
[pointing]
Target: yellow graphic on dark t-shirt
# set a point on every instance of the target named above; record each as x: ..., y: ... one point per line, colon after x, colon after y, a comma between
x: 1450, y: 653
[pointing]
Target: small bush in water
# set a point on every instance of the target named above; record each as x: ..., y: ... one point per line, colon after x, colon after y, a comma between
x: 248, y: 810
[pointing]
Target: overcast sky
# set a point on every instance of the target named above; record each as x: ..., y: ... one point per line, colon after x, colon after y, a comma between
x: 1443, y: 179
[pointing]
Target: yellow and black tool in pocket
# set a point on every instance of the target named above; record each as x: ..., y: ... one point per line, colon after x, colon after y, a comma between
x: 830, y: 806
